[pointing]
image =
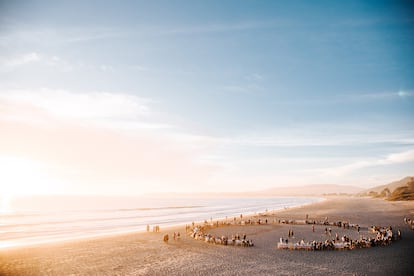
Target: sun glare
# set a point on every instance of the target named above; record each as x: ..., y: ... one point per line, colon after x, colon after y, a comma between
x: 22, y: 176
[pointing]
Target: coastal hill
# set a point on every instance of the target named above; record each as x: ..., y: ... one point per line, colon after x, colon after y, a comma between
x: 398, y: 190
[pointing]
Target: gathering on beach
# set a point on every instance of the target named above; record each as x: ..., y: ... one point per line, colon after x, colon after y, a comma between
x: 207, y: 137
x: 380, y: 233
x: 374, y: 235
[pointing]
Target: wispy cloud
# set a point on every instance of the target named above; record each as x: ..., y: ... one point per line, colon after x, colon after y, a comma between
x: 391, y: 159
x: 28, y: 59
x: 350, y: 98
x: 383, y: 96
x: 216, y: 28
x: 78, y: 120
x: 396, y: 158
x: 21, y: 60
x: 106, y: 68
x: 248, y: 88
x: 95, y: 159
x: 92, y: 140
x: 236, y: 89
x: 68, y: 35
x: 91, y: 34
x: 256, y: 77
x: 56, y: 63
x: 103, y: 108
x: 310, y: 135
x: 75, y: 35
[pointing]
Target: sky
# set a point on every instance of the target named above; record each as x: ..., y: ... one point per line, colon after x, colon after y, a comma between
x: 134, y: 97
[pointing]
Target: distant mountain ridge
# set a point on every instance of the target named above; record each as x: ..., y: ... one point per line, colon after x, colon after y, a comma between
x: 305, y: 190
x: 312, y: 190
x: 398, y: 190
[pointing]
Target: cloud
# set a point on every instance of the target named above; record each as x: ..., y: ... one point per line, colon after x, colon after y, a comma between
x: 97, y: 160
x: 396, y: 158
x: 255, y: 77
x: 391, y: 159
x: 116, y: 111
x: 216, y: 28
x: 59, y: 63
x: 91, y: 106
x: 404, y: 94
x: 351, y: 98
x: 98, y: 142
x: 16, y: 62
x: 22, y: 60
x: 56, y: 63
x: 236, y: 88
x: 53, y: 36
x: 316, y: 135
x: 106, y: 68
x: 75, y: 35
x: 384, y: 96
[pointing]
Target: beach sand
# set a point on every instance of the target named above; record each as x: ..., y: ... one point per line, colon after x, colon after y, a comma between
x: 146, y: 253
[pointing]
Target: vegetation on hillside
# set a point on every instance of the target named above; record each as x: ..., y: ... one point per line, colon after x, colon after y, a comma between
x: 398, y: 190
x: 384, y: 193
x: 404, y: 192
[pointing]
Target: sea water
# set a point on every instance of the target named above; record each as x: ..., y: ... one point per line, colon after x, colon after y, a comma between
x: 34, y: 220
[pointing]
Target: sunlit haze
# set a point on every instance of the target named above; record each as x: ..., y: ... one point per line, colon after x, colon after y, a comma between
x: 133, y: 97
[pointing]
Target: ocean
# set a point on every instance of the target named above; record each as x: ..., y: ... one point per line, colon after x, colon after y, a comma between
x: 43, y: 219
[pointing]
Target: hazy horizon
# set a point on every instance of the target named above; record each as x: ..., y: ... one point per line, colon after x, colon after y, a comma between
x: 138, y: 97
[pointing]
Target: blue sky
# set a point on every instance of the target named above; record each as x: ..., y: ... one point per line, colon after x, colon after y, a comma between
x: 143, y: 96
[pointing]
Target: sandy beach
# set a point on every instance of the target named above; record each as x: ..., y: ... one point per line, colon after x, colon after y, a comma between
x: 147, y: 254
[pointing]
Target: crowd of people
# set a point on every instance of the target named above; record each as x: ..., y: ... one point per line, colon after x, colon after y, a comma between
x: 198, y: 233
x: 383, y: 236
x: 326, y: 222
x: 380, y: 236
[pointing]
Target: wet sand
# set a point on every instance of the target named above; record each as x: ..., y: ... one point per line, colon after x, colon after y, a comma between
x: 146, y: 253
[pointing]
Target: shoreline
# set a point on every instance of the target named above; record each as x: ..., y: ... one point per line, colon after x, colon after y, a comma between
x: 142, y: 229
x: 142, y: 253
